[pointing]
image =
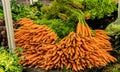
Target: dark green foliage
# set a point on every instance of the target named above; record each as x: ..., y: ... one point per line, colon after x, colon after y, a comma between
x: 96, y: 8
x: 1, y: 11
x: 58, y: 26
x: 115, y: 40
x: 63, y: 7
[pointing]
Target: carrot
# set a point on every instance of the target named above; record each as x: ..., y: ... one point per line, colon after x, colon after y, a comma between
x: 64, y: 63
x: 67, y: 55
x: 101, y: 32
x: 83, y: 65
x: 79, y: 67
x: 55, y: 57
x: 81, y: 52
x: 68, y: 41
x: 36, y: 66
x: 76, y: 56
x: 74, y: 67
x: 83, y: 30
x: 58, y: 58
x: 61, y: 66
x: 91, y: 62
x: 47, y: 67
x: 77, y: 50
x: 78, y: 37
x: 60, y: 53
x: 25, y: 63
x: 89, y: 66
x: 34, y: 63
x: 58, y: 64
x: 103, y: 37
x: 68, y: 66
x: 85, y: 47
x: 111, y: 58
x: 32, y: 60
x: 78, y: 31
x: 22, y: 62
x: 40, y: 66
x: 69, y: 50
x: 31, y: 56
x: 88, y: 30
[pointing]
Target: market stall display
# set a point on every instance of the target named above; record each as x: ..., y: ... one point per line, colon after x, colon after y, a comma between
x: 62, y: 35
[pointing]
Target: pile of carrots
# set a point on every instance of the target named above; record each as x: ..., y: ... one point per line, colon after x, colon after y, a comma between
x: 31, y: 38
x: 77, y: 51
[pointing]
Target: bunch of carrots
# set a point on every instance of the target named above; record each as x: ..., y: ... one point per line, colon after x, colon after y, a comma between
x: 77, y: 51
x: 31, y: 38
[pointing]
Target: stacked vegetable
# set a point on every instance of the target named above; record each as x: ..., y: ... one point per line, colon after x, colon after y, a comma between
x: 77, y: 51
x: 31, y: 37
x: 85, y: 48
x: 42, y: 48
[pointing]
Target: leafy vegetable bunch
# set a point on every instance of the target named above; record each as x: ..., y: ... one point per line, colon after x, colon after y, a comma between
x: 9, y: 62
x: 99, y: 8
x: 30, y: 11
x: 21, y: 11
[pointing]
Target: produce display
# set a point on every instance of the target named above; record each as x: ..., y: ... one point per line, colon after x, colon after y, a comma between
x: 60, y: 36
x: 9, y: 62
x: 77, y: 51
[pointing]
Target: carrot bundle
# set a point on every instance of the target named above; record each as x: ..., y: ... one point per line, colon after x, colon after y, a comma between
x: 26, y: 21
x: 83, y: 49
x: 103, y: 40
x: 77, y: 51
x: 32, y: 38
x: 34, y: 34
x: 41, y: 57
x: 100, y: 36
x: 83, y: 30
